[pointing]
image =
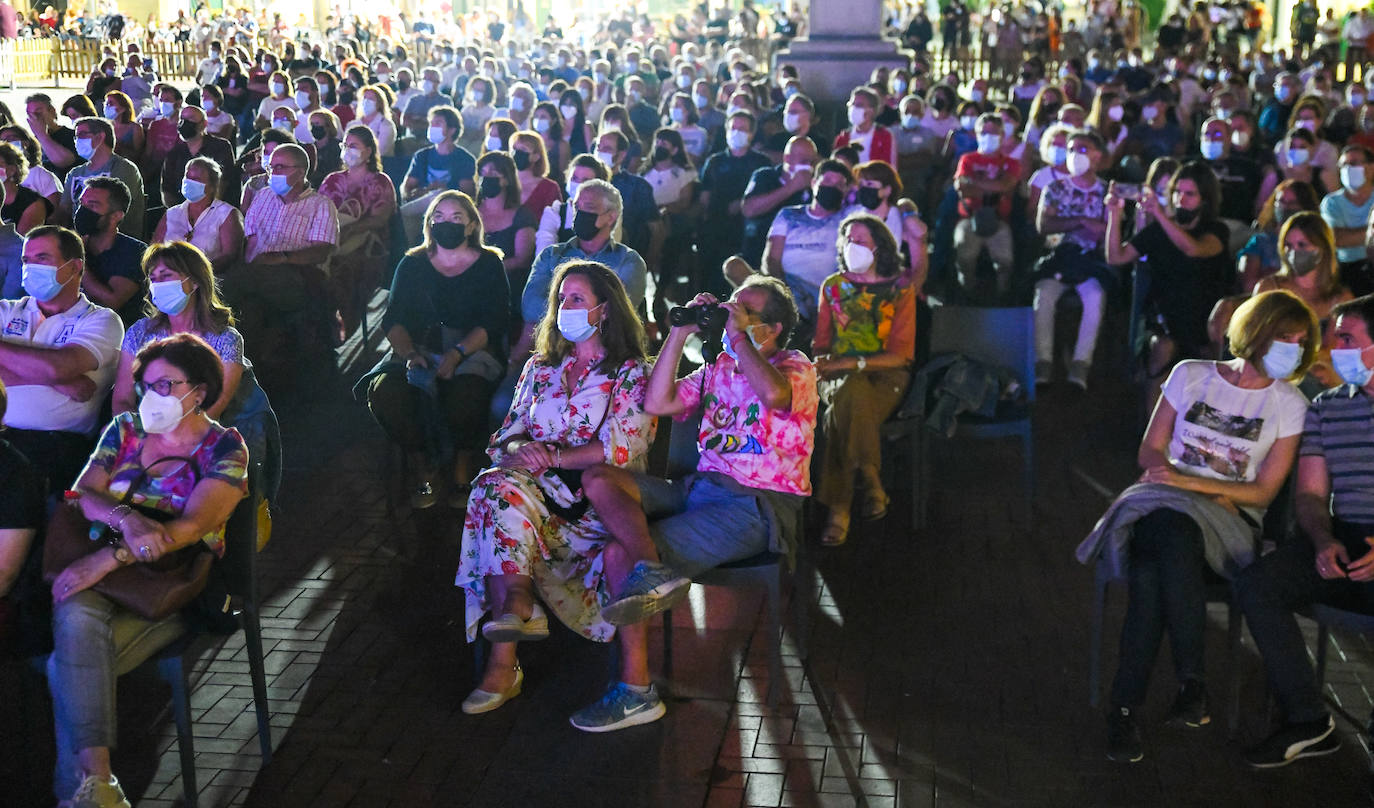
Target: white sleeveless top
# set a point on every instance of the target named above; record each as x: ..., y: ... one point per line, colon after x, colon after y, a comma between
x: 205, y: 233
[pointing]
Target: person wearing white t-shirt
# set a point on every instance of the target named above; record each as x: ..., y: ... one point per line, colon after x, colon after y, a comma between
x: 1220, y: 444
x: 58, y: 357
x: 801, y: 241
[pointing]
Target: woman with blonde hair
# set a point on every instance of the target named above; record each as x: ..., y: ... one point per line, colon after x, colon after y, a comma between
x: 530, y: 532
x: 446, y: 321
x: 1308, y: 268
x: 1220, y: 444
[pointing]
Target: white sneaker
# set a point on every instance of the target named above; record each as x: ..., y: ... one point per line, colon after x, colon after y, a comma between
x: 97, y: 792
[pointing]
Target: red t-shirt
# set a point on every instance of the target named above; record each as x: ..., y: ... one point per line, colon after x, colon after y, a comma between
x: 986, y: 167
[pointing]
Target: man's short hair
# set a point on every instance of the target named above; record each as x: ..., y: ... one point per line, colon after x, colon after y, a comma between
x: 38, y: 98
x: 1360, y: 307
x: 610, y: 197
x: 622, y: 143
x: 450, y: 116
x: 832, y: 166
x: 69, y: 244
x: 747, y: 115
x: 100, y: 125
x: 807, y: 103
x: 780, y: 308
x: 120, y: 197
x: 278, y: 137
x: 1092, y: 137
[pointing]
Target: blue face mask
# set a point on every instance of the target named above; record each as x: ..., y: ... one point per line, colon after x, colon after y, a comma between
x: 280, y: 184
x: 730, y: 349
x: 574, y: 325
x: 1281, y: 359
x: 84, y: 148
x: 1349, y: 364
x: 40, y: 281
x: 169, y: 297
x: 191, y: 189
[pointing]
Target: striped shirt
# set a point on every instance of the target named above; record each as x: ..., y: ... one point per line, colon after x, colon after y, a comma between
x: 307, y: 220
x: 1340, y: 429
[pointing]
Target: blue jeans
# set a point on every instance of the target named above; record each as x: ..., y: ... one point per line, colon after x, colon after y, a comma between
x: 1286, y: 579
x: 94, y: 642
x: 697, y: 525
x: 1168, y: 589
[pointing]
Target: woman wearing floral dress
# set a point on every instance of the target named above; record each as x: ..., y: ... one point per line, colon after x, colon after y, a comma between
x: 528, y: 530
x: 864, y: 345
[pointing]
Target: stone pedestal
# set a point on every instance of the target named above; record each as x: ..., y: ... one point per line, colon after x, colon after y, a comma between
x: 843, y: 45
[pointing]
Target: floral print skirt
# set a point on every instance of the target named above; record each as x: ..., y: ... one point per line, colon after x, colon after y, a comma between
x: 509, y: 530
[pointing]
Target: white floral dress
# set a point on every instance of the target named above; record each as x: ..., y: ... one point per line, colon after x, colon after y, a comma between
x: 509, y: 528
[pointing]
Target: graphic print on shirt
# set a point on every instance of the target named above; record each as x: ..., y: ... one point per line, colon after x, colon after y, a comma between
x: 1220, y: 442
x: 721, y: 418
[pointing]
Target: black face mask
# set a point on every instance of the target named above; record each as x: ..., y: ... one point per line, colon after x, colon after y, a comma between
x: 490, y: 188
x: 521, y: 158
x: 939, y: 103
x: 830, y: 197
x: 868, y: 197
x: 86, y: 222
x: 188, y: 129
x: 346, y: 99
x: 404, y: 85
x: 1185, y: 217
x: 449, y: 235
x: 660, y: 154
x: 584, y: 225
x: 318, y: 132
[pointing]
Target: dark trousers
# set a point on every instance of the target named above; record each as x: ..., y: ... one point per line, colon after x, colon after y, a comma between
x: 463, y: 402
x: 1286, y: 579
x: 59, y: 456
x: 1168, y: 590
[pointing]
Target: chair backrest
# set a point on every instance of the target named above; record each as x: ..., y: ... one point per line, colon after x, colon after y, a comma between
x: 1004, y: 337
x: 239, y: 564
x: 682, y: 445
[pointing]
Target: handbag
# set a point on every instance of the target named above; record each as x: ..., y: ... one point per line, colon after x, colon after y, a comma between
x: 153, y: 590
x: 572, y: 478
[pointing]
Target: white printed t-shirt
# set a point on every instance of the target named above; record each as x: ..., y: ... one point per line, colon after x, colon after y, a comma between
x: 1224, y: 432
x: 93, y: 327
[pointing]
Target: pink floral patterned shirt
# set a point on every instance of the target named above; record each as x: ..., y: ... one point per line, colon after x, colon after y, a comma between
x: 740, y: 437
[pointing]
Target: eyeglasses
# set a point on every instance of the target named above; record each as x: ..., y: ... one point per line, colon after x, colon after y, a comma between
x: 162, y: 387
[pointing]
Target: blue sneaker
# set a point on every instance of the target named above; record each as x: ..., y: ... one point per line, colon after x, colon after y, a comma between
x: 621, y: 707
x: 650, y: 588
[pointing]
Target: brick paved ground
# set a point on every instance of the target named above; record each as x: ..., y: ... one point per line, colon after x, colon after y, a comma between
x: 946, y: 667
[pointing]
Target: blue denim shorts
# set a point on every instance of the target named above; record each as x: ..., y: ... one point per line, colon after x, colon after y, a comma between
x: 697, y: 524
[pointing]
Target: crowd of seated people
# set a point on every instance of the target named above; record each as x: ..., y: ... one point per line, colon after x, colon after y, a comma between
x: 535, y: 207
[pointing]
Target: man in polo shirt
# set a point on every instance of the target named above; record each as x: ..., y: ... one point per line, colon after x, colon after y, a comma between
x: 1335, y: 510
x: 58, y: 356
x: 114, y: 261
x: 291, y: 233
x: 95, y: 141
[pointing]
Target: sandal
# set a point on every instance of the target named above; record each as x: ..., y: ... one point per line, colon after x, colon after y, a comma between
x: 834, y: 535
x: 875, y: 506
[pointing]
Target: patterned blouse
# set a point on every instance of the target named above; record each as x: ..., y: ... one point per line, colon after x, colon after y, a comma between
x: 858, y: 319
x: 228, y: 343
x: 755, y: 446
x: 373, y: 196
x: 221, y: 455
x: 543, y: 410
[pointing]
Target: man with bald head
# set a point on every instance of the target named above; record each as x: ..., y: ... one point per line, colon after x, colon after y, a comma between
x: 291, y: 233
x: 196, y: 142
x: 771, y: 189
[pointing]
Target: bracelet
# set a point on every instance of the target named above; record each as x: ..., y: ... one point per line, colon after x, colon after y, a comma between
x: 557, y: 456
x: 119, y: 521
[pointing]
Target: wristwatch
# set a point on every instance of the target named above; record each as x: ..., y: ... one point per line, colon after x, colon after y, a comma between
x: 123, y: 555
x: 861, y: 363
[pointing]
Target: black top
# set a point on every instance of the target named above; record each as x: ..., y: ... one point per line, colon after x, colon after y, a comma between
x: 23, y: 197
x: 66, y: 138
x: 21, y: 490
x: 421, y: 299
x: 1240, y: 179
x: 1182, y: 289
x: 124, y: 259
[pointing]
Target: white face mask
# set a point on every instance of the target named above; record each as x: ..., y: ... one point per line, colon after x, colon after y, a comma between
x: 989, y: 144
x: 574, y: 324
x: 569, y: 112
x: 572, y: 191
x: 857, y: 116
x: 517, y: 104
x: 352, y: 157
x: 968, y: 122
x: 541, y: 125
x: 857, y: 257
x: 911, y: 121
x: 167, y: 108
x: 302, y: 99
x: 479, y: 95
x: 278, y: 88
x: 1078, y: 164
x: 737, y: 139
x: 428, y: 86
x: 1240, y: 139
x: 1352, y: 177
x: 1115, y: 113
x: 606, y: 157
x: 369, y: 107
x: 160, y: 414
x: 701, y: 101
x: 791, y: 122
x: 493, y: 143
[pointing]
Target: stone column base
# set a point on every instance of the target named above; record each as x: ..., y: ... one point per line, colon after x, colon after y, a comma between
x: 830, y: 67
